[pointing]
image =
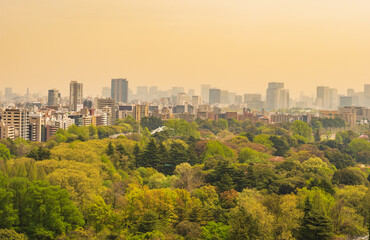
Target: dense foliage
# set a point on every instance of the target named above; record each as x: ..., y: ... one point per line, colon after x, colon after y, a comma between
x: 202, y: 180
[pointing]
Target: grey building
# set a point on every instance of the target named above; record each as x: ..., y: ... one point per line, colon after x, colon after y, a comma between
x: 119, y: 90
x: 75, y: 95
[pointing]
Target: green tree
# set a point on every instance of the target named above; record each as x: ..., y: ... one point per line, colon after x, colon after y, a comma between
x: 315, y: 224
x: 10, y: 234
x: 302, y: 129
x: 39, y: 153
x: 4, y: 152
x: 317, y: 136
x: 48, y: 211
x: 280, y: 145
x: 349, y: 176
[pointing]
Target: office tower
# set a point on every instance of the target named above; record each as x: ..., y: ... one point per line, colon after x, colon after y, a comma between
x: 119, y: 90
x: 333, y: 99
x: 142, y: 93
x: 253, y: 101
x: 322, y: 97
x: 345, y: 101
x: 327, y: 98
x: 54, y: 97
x: 191, y: 92
x: 35, y: 127
x: 367, y: 95
x: 252, y: 97
x: 75, y: 96
x: 205, y: 92
x: 232, y: 97
x: 238, y: 99
x: 276, y: 96
x: 182, y: 99
x: 153, y: 93
x: 8, y: 93
x: 176, y: 90
x: 196, y: 100
x: 351, y: 92
x: 214, y: 96
x: 106, y: 92
x: 224, y: 97
x: 19, y: 119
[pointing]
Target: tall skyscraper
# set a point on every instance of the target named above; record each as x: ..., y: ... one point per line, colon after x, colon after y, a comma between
x: 54, y: 97
x: 276, y: 96
x: 327, y: 98
x: 142, y: 93
x: 8, y: 93
x: 205, y: 92
x: 75, y: 95
x: 119, y: 90
x: 106, y: 92
x: 214, y: 96
x: 367, y: 95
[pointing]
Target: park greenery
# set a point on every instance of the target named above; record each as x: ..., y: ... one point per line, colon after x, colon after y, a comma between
x: 212, y: 180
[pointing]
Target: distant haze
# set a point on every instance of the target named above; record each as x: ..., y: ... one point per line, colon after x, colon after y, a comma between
x: 238, y: 45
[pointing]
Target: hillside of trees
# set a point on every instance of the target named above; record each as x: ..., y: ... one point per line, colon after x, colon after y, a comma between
x: 223, y: 180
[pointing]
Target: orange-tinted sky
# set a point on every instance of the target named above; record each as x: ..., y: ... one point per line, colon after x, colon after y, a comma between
x: 238, y: 45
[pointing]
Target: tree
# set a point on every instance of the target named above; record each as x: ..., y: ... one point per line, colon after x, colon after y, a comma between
x: 315, y: 224
x: 48, y: 211
x: 280, y: 145
x: 4, y: 152
x: 302, y: 129
x: 350, y: 176
x: 215, y: 231
x: 39, y: 153
x: 151, y: 123
x: 317, y: 136
x: 244, y: 226
x: 10, y: 234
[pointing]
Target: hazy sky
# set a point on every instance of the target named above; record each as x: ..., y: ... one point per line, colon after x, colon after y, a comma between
x: 239, y: 45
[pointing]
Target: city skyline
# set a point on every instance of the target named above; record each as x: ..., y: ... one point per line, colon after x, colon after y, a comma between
x: 226, y: 44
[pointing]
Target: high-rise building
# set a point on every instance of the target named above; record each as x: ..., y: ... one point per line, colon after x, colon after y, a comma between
x: 276, y: 96
x: 153, y: 93
x: 205, y: 92
x: 142, y: 93
x: 367, y: 95
x: 8, y: 93
x: 327, y: 98
x: 53, y: 97
x: 224, y: 97
x: 35, y: 127
x: 345, y: 101
x: 196, y: 100
x: 19, y: 119
x: 119, y: 90
x: 214, y: 96
x: 106, y: 92
x: 75, y: 95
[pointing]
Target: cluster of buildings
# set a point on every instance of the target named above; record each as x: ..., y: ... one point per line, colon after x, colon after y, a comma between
x: 39, y: 119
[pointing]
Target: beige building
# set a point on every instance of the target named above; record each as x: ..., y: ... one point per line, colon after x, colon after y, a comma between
x: 140, y: 111
x: 19, y: 119
x: 6, y: 131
